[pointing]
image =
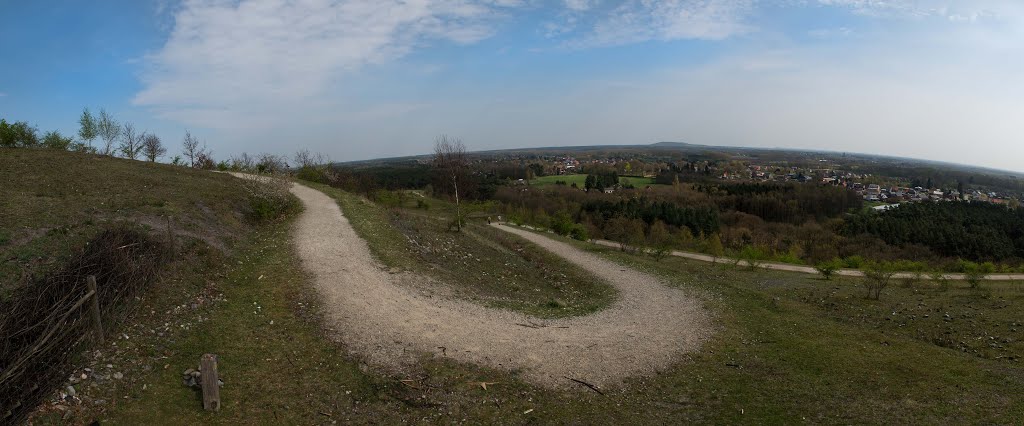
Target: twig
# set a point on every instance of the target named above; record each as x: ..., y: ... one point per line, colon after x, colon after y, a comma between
x: 592, y: 387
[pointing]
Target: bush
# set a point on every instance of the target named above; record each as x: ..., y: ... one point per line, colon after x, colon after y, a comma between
x: 940, y: 278
x: 876, y: 278
x: 914, y: 272
x: 974, y: 273
x: 269, y: 198
x: 753, y: 256
x: 579, y: 232
x: 312, y: 174
x: 54, y: 140
x: 853, y: 262
x: 561, y: 223
x: 660, y: 240
x: 828, y: 268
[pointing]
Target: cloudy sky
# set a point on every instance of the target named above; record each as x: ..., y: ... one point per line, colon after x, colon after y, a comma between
x: 359, y: 79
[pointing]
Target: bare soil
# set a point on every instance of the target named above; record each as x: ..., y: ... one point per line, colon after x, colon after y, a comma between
x: 380, y: 317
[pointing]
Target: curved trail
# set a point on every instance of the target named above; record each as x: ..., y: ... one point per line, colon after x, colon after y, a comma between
x: 644, y: 330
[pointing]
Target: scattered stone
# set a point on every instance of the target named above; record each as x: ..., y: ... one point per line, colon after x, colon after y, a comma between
x: 71, y: 391
x: 118, y: 376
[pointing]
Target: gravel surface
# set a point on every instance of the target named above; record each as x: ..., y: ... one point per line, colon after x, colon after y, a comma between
x: 390, y: 324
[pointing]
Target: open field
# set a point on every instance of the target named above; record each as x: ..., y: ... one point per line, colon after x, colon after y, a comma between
x: 580, y: 180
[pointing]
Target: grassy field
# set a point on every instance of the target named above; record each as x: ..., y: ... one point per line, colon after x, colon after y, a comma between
x: 788, y: 348
x: 480, y: 264
x: 52, y: 202
x: 781, y: 354
x: 580, y: 180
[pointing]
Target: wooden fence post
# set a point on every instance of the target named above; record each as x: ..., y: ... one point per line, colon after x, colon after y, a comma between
x: 170, y: 236
x: 97, y: 323
x: 210, y: 382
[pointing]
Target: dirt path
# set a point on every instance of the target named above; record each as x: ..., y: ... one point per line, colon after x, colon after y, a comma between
x: 645, y: 329
x: 804, y: 269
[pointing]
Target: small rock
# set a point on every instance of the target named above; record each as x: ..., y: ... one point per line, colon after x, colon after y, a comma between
x: 71, y: 391
x: 118, y: 376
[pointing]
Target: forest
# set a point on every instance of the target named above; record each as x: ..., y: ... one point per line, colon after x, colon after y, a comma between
x: 977, y: 231
x: 689, y: 209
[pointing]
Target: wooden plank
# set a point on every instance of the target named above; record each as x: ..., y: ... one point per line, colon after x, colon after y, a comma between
x: 97, y: 322
x: 210, y: 382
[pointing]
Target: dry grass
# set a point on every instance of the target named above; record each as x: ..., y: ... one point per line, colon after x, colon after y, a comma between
x: 52, y: 202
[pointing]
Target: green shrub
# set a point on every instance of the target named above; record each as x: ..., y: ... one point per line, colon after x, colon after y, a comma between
x: 975, y: 273
x: 312, y: 174
x: 422, y: 205
x: 561, y: 223
x: 853, y: 262
x: 579, y: 232
x: 788, y: 257
x: 914, y: 272
x: 828, y: 268
x: 753, y: 256
x: 54, y: 140
x: 939, y: 278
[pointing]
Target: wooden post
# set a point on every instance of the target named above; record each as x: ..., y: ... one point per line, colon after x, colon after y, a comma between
x: 170, y: 237
x: 210, y: 382
x: 97, y: 324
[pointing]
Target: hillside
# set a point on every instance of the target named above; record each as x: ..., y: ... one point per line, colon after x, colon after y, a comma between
x: 151, y: 234
x: 52, y: 202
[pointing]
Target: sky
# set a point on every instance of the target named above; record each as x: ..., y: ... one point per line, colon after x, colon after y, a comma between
x: 361, y: 79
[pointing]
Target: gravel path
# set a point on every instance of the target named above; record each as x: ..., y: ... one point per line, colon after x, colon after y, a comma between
x: 390, y: 325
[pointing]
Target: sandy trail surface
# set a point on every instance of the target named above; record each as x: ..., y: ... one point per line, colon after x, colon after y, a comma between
x: 390, y: 325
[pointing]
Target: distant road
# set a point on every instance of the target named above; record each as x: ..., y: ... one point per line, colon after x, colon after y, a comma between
x: 798, y: 268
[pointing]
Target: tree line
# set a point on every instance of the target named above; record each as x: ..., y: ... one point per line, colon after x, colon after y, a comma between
x: 104, y: 135
x: 975, y: 231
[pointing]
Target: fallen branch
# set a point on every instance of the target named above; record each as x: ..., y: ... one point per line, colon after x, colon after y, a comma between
x: 592, y: 387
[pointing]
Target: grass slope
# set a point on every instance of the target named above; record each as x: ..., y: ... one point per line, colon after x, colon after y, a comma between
x: 52, y: 202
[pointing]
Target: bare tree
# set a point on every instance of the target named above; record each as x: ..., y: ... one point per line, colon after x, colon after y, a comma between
x: 152, y: 147
x: 243, y: 162
x: 131, y: 141
x: 450, y: 161
x: 109, y: 130
x: 191, y: 148
x: 270, y: 163
x: 305, y: 158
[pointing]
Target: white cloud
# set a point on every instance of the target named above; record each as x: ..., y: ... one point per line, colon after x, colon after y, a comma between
x: 643, y: 20
x: 226, y: 64
x: 951, y: 10
x: 827, y: 33
x: 579, y: 5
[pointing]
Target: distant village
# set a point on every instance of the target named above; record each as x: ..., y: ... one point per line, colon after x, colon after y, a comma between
x: 884, y: 195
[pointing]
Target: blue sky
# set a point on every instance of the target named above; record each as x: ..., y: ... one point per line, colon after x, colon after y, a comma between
x: 358, y: 79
